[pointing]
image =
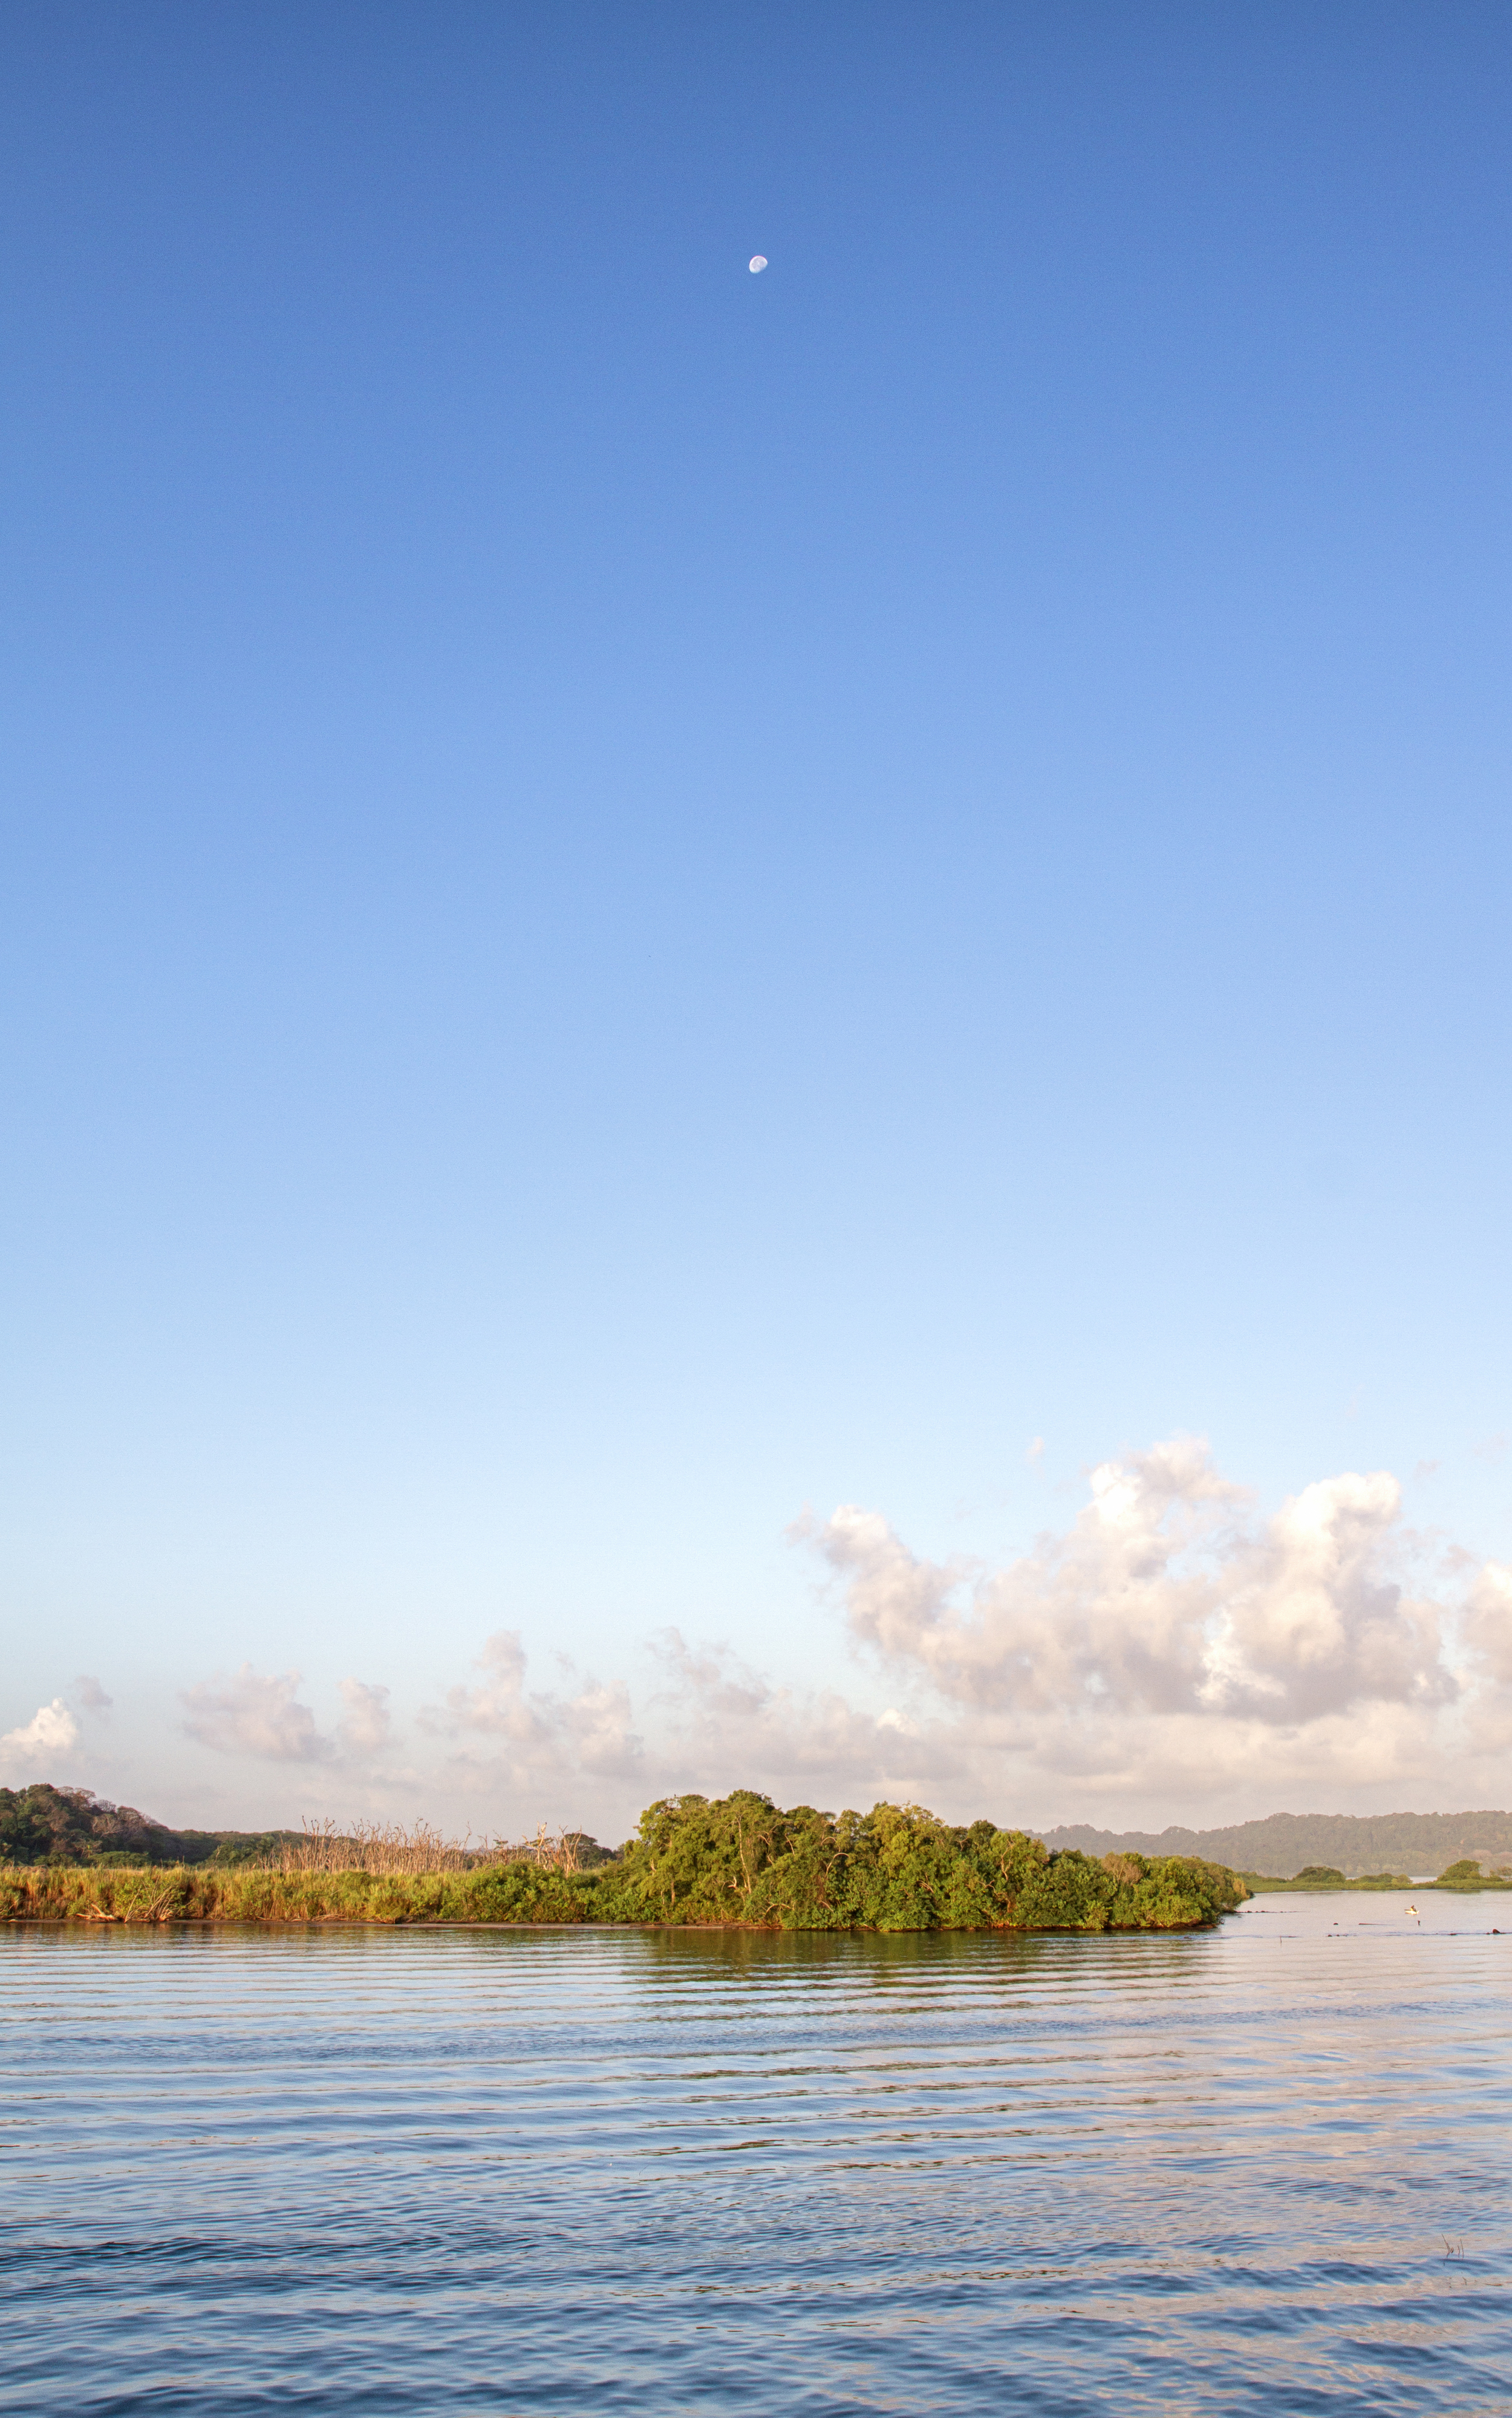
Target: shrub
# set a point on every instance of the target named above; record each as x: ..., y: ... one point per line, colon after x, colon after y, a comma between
x: 1466, y: 1874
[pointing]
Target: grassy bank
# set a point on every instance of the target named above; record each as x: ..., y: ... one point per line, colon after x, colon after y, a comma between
x: 735, y: 1860
x: 1465, y: 1875
x: 189, y: 1893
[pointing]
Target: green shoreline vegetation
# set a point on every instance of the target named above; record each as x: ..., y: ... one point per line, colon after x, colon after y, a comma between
x: 737, y: 1861
x: 1465, y: 1874
x: 694, y: 1861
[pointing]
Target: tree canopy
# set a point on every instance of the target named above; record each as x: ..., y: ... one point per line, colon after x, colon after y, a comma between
x: 43, y: 1824
x: 742, y: 1858
x: 739, y: 1858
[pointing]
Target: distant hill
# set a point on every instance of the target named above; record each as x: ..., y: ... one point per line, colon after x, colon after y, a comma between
x: 1282, y: 1843
x: 43, y: 1825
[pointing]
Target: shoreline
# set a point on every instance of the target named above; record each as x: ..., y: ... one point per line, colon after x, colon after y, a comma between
x: 520, y: 1896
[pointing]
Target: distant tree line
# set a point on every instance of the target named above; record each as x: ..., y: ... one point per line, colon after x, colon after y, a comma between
x: 43, y: 1824
x: 1284, y: 1844
x: 1466, y: 1873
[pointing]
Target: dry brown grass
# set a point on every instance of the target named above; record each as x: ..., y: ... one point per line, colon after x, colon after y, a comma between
x: 387, y: 1848
x: 391, y: 1850
x: 555, y: 1851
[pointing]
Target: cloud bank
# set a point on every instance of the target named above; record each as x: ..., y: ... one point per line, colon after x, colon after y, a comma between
x: 259, y: 1714
x: 1173, y: 1650
x: 1172, y: 1653
x: 1162, y: 1599
x: 256, y: 1714
x: 536, y: 1735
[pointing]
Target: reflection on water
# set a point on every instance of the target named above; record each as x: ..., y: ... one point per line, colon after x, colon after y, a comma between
x: 1258, y: 2169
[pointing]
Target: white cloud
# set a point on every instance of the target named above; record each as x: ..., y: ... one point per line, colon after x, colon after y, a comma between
x: 498, y: 1709
x: 538, y: 1736
x: 1163, y: 1597
x: 1488, y: 1624
x: 726, y: 1725
x: 1170, y: 1654
x: 368, y: 1723
x: 1174, y: 1653
x: 575, y: 1755
x: 52, y: 1731
x: 252, y: 1713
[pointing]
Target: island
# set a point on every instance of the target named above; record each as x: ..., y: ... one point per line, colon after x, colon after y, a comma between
x: 695, y: 1861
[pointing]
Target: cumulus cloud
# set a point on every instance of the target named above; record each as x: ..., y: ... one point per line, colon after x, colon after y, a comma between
x: 91, y: 1695
x: 258, y: 1714
x: 720, y: 1716
x: 50, y: 1731
x: 366, y: 1729
x: 713, y: 1722
x: 1488, y: 1626
x: 500, y: 1707
x: 538, y: 1734
x: 1170, y: 1652
x: 1165, y: 1597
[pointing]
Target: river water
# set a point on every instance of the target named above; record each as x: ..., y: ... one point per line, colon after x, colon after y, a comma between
x: 1264, y: 2169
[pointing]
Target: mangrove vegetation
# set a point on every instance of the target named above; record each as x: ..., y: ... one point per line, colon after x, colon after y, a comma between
x: 694, y: 1860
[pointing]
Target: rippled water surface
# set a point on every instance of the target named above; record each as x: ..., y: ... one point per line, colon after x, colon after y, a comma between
x: 1262, y: 2168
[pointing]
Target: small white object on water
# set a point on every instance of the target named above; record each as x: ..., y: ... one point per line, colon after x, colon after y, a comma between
x: 758, y: 264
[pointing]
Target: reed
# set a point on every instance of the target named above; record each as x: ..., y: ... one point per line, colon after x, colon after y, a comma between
x: 550, y: 1851
x: 195, y: 1893
x: 391, y: 1851
x: 387, y: 1849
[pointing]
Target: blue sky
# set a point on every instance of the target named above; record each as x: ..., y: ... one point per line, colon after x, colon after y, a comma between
x: 637, y: 897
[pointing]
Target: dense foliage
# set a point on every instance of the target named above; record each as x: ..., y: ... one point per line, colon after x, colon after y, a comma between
x: 694, y: 1860
x: 1467, y: 1874
x: 43, y: 1824
x: 740, y: 1858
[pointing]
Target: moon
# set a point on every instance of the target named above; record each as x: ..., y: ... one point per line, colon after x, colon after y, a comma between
x: 758, y: 264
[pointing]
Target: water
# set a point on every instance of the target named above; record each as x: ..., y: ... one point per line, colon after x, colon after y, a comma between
x: 1258, y: 2169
